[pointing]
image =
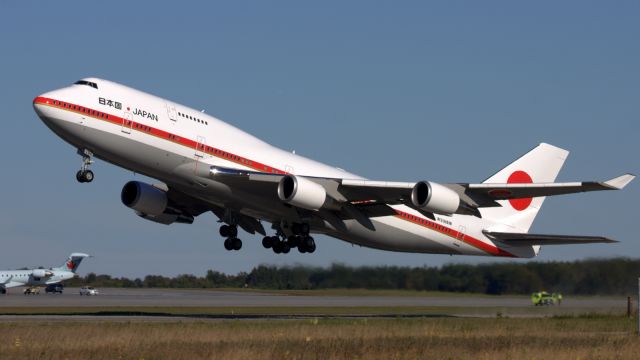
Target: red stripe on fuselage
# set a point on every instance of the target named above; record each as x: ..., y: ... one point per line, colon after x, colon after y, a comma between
x: 431, y: 225
x: 145, y: 129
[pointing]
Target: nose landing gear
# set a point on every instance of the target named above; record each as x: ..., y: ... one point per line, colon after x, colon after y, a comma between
x: 84, y: 175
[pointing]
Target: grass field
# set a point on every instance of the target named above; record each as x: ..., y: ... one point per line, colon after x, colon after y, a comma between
x: 597, y: 337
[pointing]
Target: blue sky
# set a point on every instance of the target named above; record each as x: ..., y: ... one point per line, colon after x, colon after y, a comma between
x: 448, y: 91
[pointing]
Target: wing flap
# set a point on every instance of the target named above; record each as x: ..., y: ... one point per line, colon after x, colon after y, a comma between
x: 521, y: 239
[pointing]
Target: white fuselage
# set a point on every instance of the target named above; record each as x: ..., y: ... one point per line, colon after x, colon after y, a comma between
x: 13, y: 278
x: 169, y: 142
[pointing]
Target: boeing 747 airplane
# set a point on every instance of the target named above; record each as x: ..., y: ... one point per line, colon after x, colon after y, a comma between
x: 36, y: 277
x: 205, y: 164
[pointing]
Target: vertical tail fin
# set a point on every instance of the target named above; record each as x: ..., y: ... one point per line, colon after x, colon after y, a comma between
x: 73, y: 261
x: 540, y: 165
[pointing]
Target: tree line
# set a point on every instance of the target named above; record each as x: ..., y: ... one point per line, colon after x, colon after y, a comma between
x: 616, y: 276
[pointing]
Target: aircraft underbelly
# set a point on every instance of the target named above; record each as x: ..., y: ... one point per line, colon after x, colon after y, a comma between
x: 392, y: 233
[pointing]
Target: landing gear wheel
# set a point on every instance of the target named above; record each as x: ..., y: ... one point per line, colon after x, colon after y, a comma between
x: 308, y: 245
x: 285, y: 248
x: 267, y: 242
x: 84, y: 176
x: 228, y: 245
x: 309, y: 242
x: 277, y: 247
x: 87, y: 176
x: 236, y: 243
x: 224, y: 230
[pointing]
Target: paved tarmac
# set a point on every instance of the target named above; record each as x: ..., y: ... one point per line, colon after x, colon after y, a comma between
x: 112, y: 297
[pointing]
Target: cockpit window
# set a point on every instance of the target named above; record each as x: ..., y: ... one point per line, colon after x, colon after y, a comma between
x: 88, y: 83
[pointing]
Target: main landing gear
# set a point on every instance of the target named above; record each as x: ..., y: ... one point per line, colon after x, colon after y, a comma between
x: 230, y: 232
x: 281, y: 244
x: 84, y: 175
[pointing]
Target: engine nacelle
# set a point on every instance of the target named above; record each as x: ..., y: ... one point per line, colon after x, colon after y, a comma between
x: 301, y: 192
x: 166, y: 218
x: 144, y: 198
x: 436, y: 198
x: 40, y: 273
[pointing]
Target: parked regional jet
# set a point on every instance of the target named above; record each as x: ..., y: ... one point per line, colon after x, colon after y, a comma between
x: 36, y: 277
x: 206, y: 165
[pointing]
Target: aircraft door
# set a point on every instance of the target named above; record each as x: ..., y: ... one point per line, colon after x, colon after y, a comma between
x: 201, y: 143
x: 127, y: 123
x: 460, y: 237
x: 199, y: 153
x: 172, y: 112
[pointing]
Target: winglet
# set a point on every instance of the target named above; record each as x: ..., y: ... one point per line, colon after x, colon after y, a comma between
x: 620, y: 182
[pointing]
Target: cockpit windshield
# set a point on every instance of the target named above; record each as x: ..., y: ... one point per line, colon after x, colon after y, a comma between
x: 88, y: 83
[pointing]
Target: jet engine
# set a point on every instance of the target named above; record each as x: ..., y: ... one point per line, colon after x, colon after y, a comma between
x: 436, y: 198
x: 40, y: 273
x: 151, y: 203
x: 144, y: 198
x: 301, y: 192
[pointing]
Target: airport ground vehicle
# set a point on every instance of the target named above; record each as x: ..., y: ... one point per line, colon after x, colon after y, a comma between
x: 54, y: 288
x: 33, y: 290
x: 88, y: 291
x: 544, y: 298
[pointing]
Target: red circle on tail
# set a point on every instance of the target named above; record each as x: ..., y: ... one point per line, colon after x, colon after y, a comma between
x: 520, y: 177
x: 70, y: 265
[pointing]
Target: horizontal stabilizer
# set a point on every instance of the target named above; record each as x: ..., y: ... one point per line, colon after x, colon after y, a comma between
x: 518, y: 239
x: 620, y: 182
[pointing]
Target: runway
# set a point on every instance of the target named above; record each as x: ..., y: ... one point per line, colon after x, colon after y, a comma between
x: 118, y: 297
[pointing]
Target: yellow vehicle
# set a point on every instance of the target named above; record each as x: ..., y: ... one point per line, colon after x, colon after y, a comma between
x: 34, y: 290
x: 544, y: 298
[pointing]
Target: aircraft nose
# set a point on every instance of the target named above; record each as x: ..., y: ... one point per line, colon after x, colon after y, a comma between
x: 39, y: 103
x: 42, y: 100
x: 42, y: 104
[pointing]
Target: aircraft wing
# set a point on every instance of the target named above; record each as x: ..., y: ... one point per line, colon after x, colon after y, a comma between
x: 187, y: 204
x: 518, y: 239
x: 472, y: 196
x: 483, y: 195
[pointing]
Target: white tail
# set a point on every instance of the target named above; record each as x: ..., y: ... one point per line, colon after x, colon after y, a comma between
x: 73, y: 261
x: 540, y: 165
